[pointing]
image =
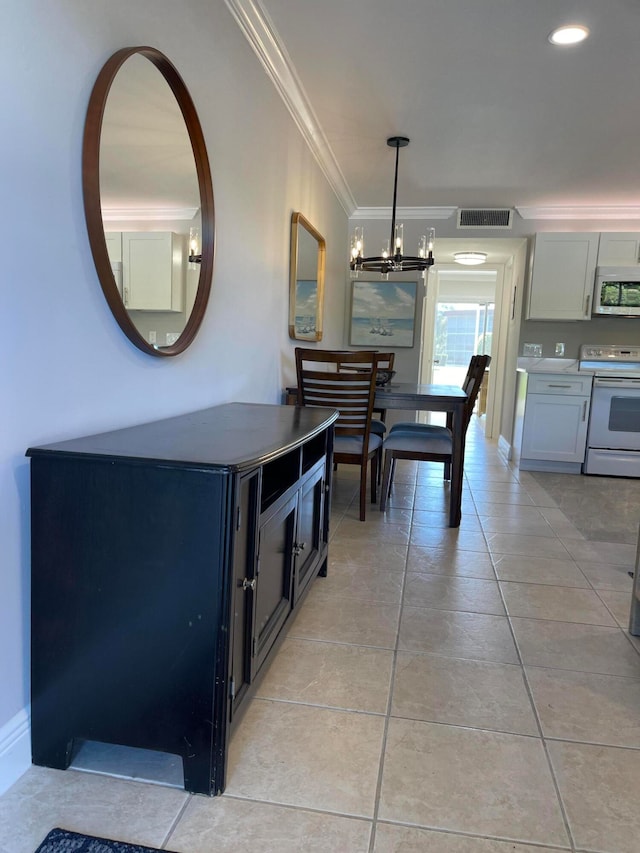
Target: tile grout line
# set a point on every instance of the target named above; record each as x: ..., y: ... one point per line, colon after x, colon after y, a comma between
x: 176, y: 821
x: 560, y: 799
x: 376, y: 806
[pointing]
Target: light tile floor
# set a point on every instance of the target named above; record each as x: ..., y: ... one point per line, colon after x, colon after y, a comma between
x: 454, y: 691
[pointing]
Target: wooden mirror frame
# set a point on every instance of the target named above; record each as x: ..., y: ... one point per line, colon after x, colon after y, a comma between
x: 299, y: 221
x: 92, y: 205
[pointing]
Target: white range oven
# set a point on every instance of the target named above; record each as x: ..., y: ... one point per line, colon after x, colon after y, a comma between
x: 613, y: 438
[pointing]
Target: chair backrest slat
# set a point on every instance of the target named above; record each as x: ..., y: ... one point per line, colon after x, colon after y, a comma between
x: 339, y: 380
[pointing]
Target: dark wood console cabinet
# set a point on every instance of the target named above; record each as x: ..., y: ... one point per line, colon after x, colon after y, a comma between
x: 166, y: 560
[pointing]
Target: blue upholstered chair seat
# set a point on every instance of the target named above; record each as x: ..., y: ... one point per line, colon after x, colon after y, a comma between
x: 431, y: 439
x: 378, y: 427
x: 425, y: 430
x: 405, y: 426
x: 353, y: 443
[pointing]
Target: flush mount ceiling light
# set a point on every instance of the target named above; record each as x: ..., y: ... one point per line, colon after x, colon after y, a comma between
x: 396, y: 262
x: 470, y: 259
x: 568, y: 35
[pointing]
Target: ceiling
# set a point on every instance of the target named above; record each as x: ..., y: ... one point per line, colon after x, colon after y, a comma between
x: 497, y: 116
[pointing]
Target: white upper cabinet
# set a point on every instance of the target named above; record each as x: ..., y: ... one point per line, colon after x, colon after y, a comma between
x: 152, y: 271
x: 619, y: 249
x: 114, y: 245
x: 562, y: 276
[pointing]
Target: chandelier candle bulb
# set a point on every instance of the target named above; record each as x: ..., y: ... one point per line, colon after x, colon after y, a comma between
x: 399, y: 241
x: 357, y: 242
x: 195, y: 253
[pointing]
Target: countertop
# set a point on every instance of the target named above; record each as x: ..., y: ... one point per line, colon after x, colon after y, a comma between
x: 548, y: 365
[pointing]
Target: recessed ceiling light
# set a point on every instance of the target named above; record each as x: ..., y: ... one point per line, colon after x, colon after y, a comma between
x: 571, y: 34
x: 470, y: 259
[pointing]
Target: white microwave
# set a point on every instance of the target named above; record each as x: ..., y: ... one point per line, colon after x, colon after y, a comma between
x: 617, y: 291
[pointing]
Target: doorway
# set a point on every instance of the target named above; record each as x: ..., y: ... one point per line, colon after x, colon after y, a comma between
x: 461, y: 318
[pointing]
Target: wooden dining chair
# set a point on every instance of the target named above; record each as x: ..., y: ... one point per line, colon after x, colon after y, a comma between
x: 428, y: 442
x: 384, y: 366
x: 352, y: 393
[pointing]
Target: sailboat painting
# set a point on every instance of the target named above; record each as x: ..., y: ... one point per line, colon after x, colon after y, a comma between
x: 306, y: 310
x: 383, y: 313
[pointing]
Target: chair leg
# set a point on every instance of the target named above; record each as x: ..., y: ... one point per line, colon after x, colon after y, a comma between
x: 363, y: 492
x: 386, y: 480
x: 447, y: 470
x: 374, y: 477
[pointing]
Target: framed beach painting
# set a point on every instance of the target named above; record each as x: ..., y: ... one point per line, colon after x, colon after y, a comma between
x: 383, y: 313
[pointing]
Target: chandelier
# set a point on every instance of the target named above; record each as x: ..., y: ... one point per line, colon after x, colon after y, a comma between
x: 392, y: 260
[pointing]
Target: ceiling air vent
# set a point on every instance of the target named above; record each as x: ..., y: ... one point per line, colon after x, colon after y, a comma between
x: 492, y: 217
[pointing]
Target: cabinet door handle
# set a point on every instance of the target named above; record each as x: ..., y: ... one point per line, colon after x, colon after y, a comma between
x: 249, y: 584
x: 551, y: 385
x: 587, y: 305
x: 584, y: 411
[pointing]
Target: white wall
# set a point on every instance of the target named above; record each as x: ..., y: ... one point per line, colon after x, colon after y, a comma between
x: 67, y: 368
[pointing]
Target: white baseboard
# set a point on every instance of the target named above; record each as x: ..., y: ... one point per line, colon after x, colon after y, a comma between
x: 504, y: 449
x: 15, y: 749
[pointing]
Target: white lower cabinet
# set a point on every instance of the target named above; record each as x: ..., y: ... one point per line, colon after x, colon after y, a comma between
x: 556, y: 417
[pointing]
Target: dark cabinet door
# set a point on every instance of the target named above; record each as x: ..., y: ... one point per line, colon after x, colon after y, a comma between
x: 274, y: 588
x: 244, y: 584
x: 310, y: 528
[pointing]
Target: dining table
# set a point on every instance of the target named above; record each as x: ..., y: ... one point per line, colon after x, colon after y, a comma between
x: 412, y: 396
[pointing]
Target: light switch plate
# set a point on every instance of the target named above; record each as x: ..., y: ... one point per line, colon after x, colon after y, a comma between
x: 534, y: 350
x: 559, y: 349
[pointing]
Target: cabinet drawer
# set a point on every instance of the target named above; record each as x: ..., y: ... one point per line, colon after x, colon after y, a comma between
x: 571, y: 385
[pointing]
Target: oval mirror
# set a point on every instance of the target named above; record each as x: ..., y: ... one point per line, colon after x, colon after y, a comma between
x: 148, y: 200
x: 306, y: 280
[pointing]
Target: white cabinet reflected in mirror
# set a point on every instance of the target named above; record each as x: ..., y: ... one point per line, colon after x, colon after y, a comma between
x: 306, y: 280
x: 148, y: 196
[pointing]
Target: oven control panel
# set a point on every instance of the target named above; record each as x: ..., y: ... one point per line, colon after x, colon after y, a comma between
x: 609, y: 353
x: 610, y: 360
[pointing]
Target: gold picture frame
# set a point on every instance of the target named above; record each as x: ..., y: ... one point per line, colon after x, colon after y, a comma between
x: 306, y: 280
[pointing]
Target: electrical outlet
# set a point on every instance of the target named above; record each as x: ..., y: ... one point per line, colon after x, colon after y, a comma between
x: 153, y: 337
x: 559, y: 349
x: 534, y: 350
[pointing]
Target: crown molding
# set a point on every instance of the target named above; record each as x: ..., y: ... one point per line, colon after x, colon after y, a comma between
x: 403, y: 212
x: 261, y: 34
x: 114, y: 214
x: 604, y: 211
